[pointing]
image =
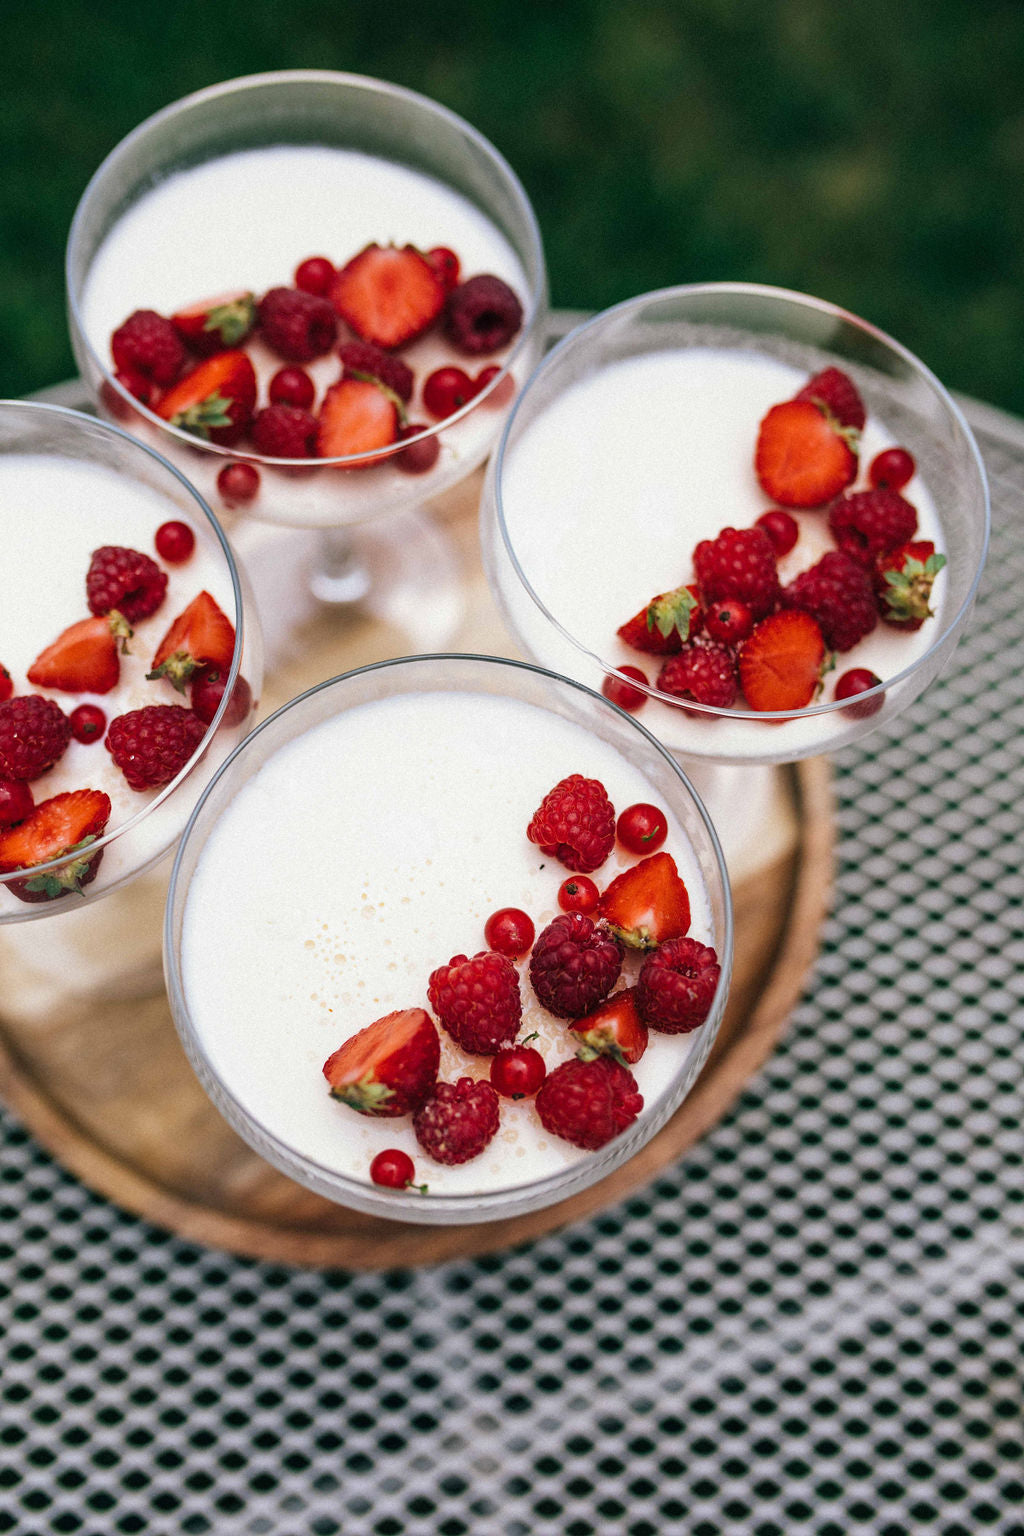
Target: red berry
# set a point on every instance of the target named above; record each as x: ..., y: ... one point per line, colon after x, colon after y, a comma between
x: 892, y: 469
x: 482, y: 314
x: 676, y: 986
x: 575, y: 823
x: 15, y: 801
x: 619, y: 692
x: 856, y: 681
x: 446, y: 390
x: 446, y: 266
x: 215, y: 401
x: 124, y: 579
x: 284, y: 432
x: 662, y: 625
x: 147, y: 343
x: 174, y: 542
x: 781, y: 664
x: 509, y: 931
x: 390, y: 1067
x: 502, y: 395
x: 904, y: 579
x: 238, y: 483
x: 704, y: 671
x: 739, y: 562
x: 578, y: 894
x: 802, y: 457
x: 867, y: 523
x: 574, y: 965
x: 6, y: 684
x: 782, y: 529
x: 839, y: 594
x: 477, y: 1001
x: 518, y: 1071
x: 647, y: 904
x: 642, y: 828
x: 388, y: 294
x: 88, y: 722
x: 613, y: 1029
x: 457, y: 1121
x: 152, y: 745
x: 292, y: 386
x: 589, y: 1102
x: 315, y: 275
x: 420, y: 456
x: 297, y: 325
x: 729, y: 621
x: 34, y: 733
x: 65, y: 824
x: 365, y: 360
x: 835, y: 393
x: 393, y: 1169
x: 206, y: 690
x: 142, y: 389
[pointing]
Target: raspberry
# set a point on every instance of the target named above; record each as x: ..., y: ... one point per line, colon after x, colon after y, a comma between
x: 147, y: 343
x: 152, y: 744
x: 676, y: 986
x: 482, y: 314
x: 575, y: 823
x: 298, y: 326
x: 574, y: 965
x: 704, y: 671
x: 836, y: 392
x: 457, y: 1121
x: 34, y: 733
x: 124, y: 579
x: 867, y: 523
x: 838, y: 592
x: 366, y: 360
x: 588, y: 1102
x: 284, y: 432
x: 740, y: 563
x: 477, y: 1000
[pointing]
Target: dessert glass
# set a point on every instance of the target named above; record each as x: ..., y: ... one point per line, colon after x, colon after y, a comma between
x: 270, y: 1087
x: 567, y: 620
x: 372, y: 545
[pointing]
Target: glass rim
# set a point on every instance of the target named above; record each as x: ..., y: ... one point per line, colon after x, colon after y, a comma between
x: 781, y: 296
x: 534, y: 311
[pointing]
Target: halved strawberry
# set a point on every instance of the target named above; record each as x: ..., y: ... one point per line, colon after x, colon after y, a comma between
x: 84, y: 658
x: 803, y: 456
x: 215, y: 324
x: 215, y: 401
x: 613, y: 1029
x: 668, y: 619
x: 647, y: 904
x: 66, y: 823
x: 390, y: 1067
x: 782, y: 663
x: 357, y: 416
x: 904, y: 579
x: 201, y: 636
x: 388, y: 294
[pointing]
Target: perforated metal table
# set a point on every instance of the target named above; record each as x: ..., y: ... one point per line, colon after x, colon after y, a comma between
x: 811, y: 1326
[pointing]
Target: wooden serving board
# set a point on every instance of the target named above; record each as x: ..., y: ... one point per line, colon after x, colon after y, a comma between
x: 98, y: 1076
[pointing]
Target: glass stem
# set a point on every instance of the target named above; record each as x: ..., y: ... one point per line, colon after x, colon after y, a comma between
x: 339, y: 576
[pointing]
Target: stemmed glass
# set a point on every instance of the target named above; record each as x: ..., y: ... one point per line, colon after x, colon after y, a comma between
x: 309, y: 963
x: 351, y: 530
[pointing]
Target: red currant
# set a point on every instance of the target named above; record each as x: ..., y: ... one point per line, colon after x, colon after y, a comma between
x: 619, y: 692
x: 729, y: 621
x: 578, y: 894
x: 292, y: 386
x: 510, y: 931
x: 782, y: 529
x: 174, y: 542
x: 6, y: 683
x: 207, y: 689
x: 238, y: 482
x: 393, y: 1168
x: 857, y: 681
x: 642, y: 828
x: 518, y: 1071
x: 891, y: 469
x: 446, y: 265
x: 88, y: 722
x: 15, y: 801
x: 446, y: 390
x: 315, y: 275
x: 500, y: 396
x: 420, y: 456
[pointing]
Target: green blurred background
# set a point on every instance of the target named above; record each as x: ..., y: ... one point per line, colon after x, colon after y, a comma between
x: 872, y: 154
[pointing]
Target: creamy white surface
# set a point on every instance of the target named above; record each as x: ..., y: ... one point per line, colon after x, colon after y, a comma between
x: 359, y: 858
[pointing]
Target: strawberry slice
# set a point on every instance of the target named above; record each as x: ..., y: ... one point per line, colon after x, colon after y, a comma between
x: 647, y: 904
x: 388, y: 294
x: 803, y: 457
x: 660, y: 628
x: 388, y: 1068
x: 357, y: 416
x: 66, y: 823
x: 782, y: 663
x: 613, y: 1029
x: 201, y: 636
x: 213, y: 325
x: 84, y: 658
x: 215, y: 401
x: 904, y: 579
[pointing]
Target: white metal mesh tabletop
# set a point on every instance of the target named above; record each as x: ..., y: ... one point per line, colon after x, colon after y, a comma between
x: 811, y: 1326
